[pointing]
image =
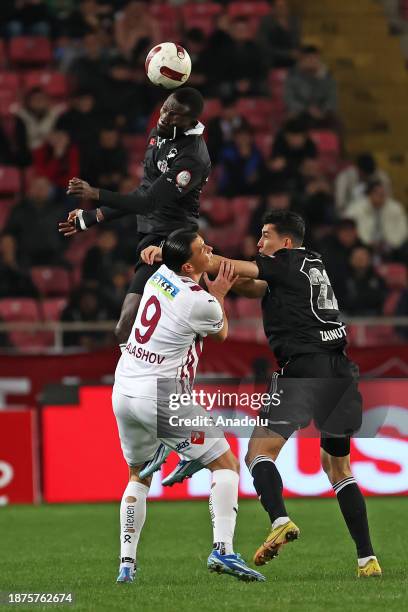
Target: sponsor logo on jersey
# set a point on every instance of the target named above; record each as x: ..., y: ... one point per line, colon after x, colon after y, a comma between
x: 181, y: 445
x: 165, y: 286
x: 197, y: 437
x: 172, y: 153
x: 162, y: 165
x: 183, y: 178
x: 152, y: 142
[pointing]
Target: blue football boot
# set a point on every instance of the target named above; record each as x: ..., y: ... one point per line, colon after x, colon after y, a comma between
x: 233, y: 565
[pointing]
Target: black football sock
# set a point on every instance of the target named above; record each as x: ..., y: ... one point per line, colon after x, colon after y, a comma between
x: 353, y: 507
x: 268, y: 484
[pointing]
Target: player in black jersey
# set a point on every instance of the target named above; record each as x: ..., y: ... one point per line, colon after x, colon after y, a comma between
x: 316, y: 381
x: 176, y: 167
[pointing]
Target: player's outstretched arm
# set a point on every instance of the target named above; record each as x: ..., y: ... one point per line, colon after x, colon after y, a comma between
x: 249, y: 287
x: 247, y: 269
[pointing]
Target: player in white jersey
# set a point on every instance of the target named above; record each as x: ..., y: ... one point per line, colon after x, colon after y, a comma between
x: 160, y: 359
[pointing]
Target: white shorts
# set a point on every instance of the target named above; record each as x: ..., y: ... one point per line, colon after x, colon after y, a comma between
x: 136, y: 418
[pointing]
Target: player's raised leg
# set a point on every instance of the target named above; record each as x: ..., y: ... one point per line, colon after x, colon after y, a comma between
x: 335, y: 457
x: 264, y: 448
x: 132, y: 518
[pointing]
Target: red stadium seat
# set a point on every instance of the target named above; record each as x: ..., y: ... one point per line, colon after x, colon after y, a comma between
x: 10, y: 180
x: 52, y: 309
x: 5, y: 208
x: 212, y: 108
x: 206, y: 9
x: 9, y: 91
x: 21, y: 310
x: 326, y: 141
x: 30, y: 50
x: 394, y: 274
x: 248, y: 9
x: 53, y: 82
x: 218, y: 210
x: 203, y: 23
x: 230, y: 308
x: 51, y: 281
x: 257, y: 111
x: 78, y: 247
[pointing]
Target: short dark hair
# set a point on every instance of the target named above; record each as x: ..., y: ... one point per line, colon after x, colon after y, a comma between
x: 192, y: 98
x: 309, y: 50
x: 373, y: 185
x: 345, y: 223
x: 287, y: 223
x: 366, y: 163
x: 295, y: 126
x: 177, y: 249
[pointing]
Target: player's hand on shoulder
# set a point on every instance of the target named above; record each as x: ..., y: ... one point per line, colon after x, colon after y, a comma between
x: 224, y: 280
x: 151, y: 254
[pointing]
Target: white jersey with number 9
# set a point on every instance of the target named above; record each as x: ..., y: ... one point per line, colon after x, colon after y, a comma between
x: 166, y: 339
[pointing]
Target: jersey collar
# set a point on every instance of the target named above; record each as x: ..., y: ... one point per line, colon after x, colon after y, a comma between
x: 197, y: 130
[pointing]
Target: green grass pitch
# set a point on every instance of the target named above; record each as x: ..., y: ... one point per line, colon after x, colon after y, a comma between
x: 75, y: 547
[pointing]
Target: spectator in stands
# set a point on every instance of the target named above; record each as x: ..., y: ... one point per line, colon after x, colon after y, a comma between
x: 352, y: 182
x: 136, y: 30
x: 279, y: 34
x: 6, y: 153
x: 241, y: 67
x: 291, y: 147
x: 36, y: 118
x: 128, y: 100
x: 366, y: 290
x: 33, y: 224
x: 196, y: 43
x: 115, y: 293
x: 97, y: 271
x: 241, y: 165
x: 86, y: 306
x: 126, y: 227
x: 14, y: 279
x: 381, y: 221
x: 310, y: 91
x: 336, y: 250
x: 277, y: 198
x: 402, y: 311
x: 108, y: 164
x: 57, y: 159
x: 90, y: 16
x: 89, y: 70
x: 30, y: 17
x: 220, y: 129
x: 316, y: 204
x: 83, y: 123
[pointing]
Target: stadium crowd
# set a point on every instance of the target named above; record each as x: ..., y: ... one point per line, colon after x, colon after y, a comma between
x: 75, y: 101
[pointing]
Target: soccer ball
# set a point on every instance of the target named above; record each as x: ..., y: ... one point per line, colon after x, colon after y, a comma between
x: 168, y: 65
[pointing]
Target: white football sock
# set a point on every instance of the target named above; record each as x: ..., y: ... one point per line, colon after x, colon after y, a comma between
x: 132, y: 518
x: 364, y: 560
x: 224, y: 508
x: 281, y: 520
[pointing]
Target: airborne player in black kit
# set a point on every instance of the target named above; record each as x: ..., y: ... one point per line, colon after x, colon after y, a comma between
x: 316, y: 382
x: 176, y: 167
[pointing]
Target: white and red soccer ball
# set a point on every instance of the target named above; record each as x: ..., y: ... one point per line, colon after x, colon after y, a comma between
x: 168, y: 65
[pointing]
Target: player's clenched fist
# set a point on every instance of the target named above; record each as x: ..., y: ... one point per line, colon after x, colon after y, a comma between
x: 82, y: 189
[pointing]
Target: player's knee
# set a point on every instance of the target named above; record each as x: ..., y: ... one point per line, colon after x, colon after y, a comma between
x: 127, y: 317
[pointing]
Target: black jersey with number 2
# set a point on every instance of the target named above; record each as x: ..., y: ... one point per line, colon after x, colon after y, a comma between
x: 300, y: 311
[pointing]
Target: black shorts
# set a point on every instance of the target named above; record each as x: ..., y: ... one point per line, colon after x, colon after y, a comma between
x: 321, y: 387
x: 143, y: 271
